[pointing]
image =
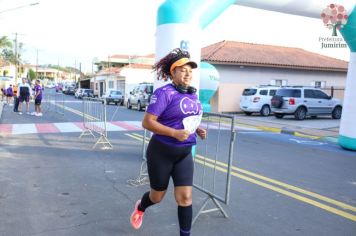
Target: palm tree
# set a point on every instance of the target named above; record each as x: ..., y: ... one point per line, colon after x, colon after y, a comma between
x: 5, y: 42
x: 5, y: 48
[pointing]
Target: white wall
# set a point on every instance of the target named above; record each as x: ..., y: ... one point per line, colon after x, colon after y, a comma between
x: 233, y: 79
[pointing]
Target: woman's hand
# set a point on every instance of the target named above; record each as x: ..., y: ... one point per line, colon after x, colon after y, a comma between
x: 181, y: 134
x: 201, y: 133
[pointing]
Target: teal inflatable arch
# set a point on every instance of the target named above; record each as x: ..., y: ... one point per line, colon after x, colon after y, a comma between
x: 180, y: 22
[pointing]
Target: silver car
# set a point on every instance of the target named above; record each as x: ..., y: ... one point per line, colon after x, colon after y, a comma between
x: 304, y: 101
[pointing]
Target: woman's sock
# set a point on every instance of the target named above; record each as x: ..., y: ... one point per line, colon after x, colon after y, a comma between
x: 145, y: 202
x: 185, y: 214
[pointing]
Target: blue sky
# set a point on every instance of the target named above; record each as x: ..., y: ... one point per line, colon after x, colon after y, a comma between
x: 77, y: 31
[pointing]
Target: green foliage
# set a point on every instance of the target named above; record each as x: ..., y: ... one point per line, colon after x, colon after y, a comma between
x: 32, y: 74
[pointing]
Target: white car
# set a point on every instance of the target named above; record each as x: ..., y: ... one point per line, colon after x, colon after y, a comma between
x: 257, y: 100
x: 78, y: 93
x: 50, y: 85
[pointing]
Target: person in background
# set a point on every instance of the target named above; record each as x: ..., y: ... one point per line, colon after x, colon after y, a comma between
x: 9, y: 94
x: 173, y: 115
x: 16, y: 99
x: 3, y: 94
x: 38, y: 98
x: 23, y: 94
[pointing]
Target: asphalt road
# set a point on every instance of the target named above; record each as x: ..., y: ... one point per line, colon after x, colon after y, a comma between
x: 56, y: 184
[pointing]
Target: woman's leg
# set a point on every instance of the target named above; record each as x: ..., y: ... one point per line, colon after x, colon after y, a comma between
x: 149, y: 198
x: 183, y: 195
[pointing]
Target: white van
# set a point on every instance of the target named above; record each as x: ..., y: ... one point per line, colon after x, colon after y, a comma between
x: 257, y: 100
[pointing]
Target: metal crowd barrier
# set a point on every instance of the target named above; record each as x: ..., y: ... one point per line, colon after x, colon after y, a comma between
x: 213, y: 161
x: 53, y: 102
x: 142, y: 177
x: 94, y: 121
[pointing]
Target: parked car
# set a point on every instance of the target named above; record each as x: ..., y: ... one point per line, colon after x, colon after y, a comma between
x: 305, y: 101
x: 114, y: 96
x: 76, y: 94
x: 85, y: 93
x: 69, y: 90
x: 257, y: 100
x: 140, y: 96
x: 50, y: 85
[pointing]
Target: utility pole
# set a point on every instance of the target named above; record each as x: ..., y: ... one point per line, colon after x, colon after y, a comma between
x: 16, y: 58
x: 75, y: 72
x: 36, y: 64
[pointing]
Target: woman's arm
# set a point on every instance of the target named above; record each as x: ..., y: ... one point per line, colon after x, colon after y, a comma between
x: 150, y: 122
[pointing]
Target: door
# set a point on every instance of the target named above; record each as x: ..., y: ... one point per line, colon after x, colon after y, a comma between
x: 310, y: 101
x: 325, y: 104
x: 101, y: 89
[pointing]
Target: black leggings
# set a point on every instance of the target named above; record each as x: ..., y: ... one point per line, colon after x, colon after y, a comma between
x: 164, y: 161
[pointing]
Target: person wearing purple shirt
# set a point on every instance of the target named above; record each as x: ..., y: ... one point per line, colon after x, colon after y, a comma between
x: 38, y: 98
x: 173, y: 116
x: 9, y: 94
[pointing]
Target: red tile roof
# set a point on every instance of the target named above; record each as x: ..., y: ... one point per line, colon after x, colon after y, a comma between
x: 248, y: 54
x: 138, y: 66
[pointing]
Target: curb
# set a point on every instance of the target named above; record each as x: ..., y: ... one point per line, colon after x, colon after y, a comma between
x: 289, y: 131
x: 1, y: 108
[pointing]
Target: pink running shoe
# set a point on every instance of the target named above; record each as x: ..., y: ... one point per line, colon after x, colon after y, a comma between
x: 136, y: 216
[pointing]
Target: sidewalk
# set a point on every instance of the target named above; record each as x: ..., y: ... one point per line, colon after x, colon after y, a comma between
x: 320, y: 128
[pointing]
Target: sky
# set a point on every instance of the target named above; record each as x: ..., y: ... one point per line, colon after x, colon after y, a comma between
x: 73, y: 32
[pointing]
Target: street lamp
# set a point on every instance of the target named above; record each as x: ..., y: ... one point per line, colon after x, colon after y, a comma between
x: 15, y: 8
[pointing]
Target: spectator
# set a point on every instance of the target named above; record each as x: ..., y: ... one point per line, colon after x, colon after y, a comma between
x: 24, y: 93
x: 3, y: 94
x: 9, y: 95
x: 38, y: 98
x: 16, y: 100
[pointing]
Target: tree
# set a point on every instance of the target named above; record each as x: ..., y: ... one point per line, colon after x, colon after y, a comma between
x: 5, y: 46
x: 32, y: 74
x: 5, y: 42
x: 334, y: 17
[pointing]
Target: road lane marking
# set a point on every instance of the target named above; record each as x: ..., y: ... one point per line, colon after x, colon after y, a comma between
x: 77, y: 112
x: 284, y: 192
x: 223, y: 167
x: 284, y: 185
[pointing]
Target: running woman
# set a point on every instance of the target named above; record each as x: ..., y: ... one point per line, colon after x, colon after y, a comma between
x: 173, y: 116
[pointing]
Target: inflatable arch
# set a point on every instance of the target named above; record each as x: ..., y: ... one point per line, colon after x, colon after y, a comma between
x: 179, y: 23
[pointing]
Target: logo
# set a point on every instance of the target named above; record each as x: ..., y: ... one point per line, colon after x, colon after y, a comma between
x: 334, y: 17
x: 153, y: 99
x: 184, y: 44
x: 189, y: 107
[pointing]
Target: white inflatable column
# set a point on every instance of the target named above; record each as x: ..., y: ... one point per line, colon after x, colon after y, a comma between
x: 347, y: 133
x: 179, y: 25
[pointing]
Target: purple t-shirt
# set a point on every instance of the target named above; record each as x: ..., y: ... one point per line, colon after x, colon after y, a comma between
x: 171, y: 107
x: 38, y: 90
x: 9, y: 91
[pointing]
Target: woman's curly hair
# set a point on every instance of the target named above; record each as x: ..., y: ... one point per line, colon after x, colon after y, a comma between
x: 163, y: 66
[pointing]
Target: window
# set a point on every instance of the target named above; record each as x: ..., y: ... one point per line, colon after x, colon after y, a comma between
x: 308, y: 93
x: 296, y: 93
x: 249, y: 92
x: 111, y: 84
x: 318, y: 84
x: 320, y: 95
x: 96, y: 86
x: 272, y: 92
x: 263, y: 92
x: 279, y: 82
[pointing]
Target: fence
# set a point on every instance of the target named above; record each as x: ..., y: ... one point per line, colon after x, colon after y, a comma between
x: 94, y: 121
x: 142, y: 177
x: 336, y: 92
x: 53, y: 102
x: 212, y: 161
